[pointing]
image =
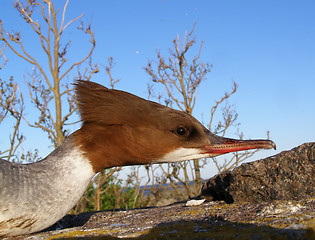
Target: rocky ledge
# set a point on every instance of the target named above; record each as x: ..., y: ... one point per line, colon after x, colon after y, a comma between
x: 288, y: 175
x: 272, y: 198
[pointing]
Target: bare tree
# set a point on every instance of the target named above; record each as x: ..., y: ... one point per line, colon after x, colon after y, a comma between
x: 108, y: 68
x: 229, y: 115
x: 229, y: 118
x: 48, y: 88
x: 11, y: 107
x: 181, y: 77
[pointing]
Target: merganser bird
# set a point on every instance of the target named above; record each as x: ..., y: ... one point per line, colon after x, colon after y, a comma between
x: 118, y: 129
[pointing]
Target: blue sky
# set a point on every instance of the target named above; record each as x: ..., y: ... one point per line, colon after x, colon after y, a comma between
x: 266, y: 47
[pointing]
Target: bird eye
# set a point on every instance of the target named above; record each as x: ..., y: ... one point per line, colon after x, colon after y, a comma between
x: 181, y: 131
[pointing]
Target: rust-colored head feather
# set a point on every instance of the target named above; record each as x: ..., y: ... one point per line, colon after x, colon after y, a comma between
x: 118, y: 125
x: 105, y: 106
x: 101, y: 105
x: 122, y: 129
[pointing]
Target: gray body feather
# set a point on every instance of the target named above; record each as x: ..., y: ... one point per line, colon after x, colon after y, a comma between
x: 34, y: 196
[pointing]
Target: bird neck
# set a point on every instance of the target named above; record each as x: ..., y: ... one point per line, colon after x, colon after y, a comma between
x: 50, y: 187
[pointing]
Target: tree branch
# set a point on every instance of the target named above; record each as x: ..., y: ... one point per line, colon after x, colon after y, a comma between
x: 225, y: 97
x: 2, y: 48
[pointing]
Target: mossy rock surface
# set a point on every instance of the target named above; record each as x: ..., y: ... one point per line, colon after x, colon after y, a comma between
x: 210, y: 220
